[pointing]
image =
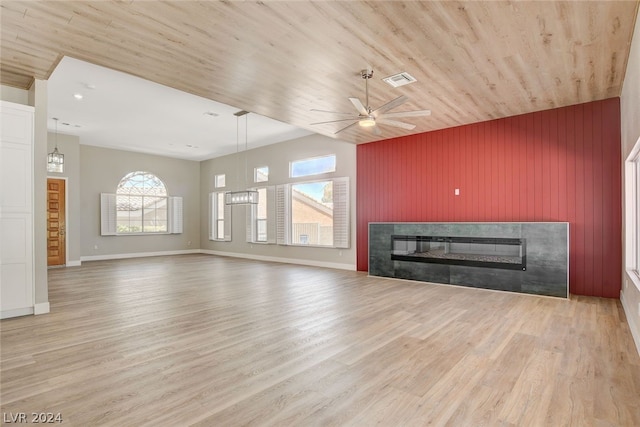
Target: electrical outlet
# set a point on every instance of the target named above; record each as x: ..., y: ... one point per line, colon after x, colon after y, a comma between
x: 456, y: 191
x: 95, y: 247
x: 189, y: 243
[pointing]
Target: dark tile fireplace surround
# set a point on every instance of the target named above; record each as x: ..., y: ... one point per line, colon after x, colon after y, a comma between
x: 518, y: 257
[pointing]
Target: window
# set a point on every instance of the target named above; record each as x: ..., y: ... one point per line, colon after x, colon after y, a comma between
x: 261, y: 174
x: 632, y: 214
x: 261, y: 218
x: 314, y: 213
x: 312, y: 166
x: 220, y: 180
x: 140, y: 206
x: 220, y: 217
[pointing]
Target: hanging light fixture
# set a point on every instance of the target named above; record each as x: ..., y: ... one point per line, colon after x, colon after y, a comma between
x: 242, y: 197
x: 55, y: 160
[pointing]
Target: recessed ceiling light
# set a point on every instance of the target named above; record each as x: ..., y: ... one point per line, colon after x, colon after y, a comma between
x: 90, y: 86
x: 70, y: 124
x: 211, y: 113
x: 78, y: 96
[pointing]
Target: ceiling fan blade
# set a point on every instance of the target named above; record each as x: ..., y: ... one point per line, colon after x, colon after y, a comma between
x: 361, y: 108
x: 396, y: 123
x: 415, y: 113
x: 390, y: 105
x: 333, y: 121
x: 346, y: 127
x: 330, y: 112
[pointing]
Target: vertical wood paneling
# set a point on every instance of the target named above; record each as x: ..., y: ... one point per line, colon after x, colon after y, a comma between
x: 554, y: 165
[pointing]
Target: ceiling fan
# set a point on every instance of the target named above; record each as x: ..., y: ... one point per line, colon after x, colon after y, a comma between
x: 370, y: 118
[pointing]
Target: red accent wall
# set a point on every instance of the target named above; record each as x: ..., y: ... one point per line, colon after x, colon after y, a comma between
x: 556, y: 165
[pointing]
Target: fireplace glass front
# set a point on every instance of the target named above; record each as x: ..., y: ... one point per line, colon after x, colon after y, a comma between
x: 490, y: 252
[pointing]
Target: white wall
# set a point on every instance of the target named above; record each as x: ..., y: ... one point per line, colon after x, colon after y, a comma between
x: 38, y: 98
x: 277, y: 157
x: 630, y: 132
x: 13, y: 94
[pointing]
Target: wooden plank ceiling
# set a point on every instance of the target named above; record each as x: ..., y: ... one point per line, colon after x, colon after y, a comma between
x: 474, y: 61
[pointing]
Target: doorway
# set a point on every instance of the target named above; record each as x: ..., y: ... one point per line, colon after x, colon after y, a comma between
x: 56, y: 223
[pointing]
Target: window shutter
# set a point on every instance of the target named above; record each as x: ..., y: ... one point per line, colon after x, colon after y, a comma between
x: 227, y: 223
x: 341, y: 212
x: 212, y: 214
x: 271, y: 214
x: 175, y: 215
x: 108, y: 214
x: 251, y: 216
x: 283, y: 201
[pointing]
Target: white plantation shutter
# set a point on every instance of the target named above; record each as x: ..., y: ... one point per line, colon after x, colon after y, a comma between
x: 212, y: 215
x: 271, y: 214
x: 227, y: 223
x: 108, y: 215
x: 251, y: 212
x: 175, y: 215
x: 283, y: 210
x: 341, y: 212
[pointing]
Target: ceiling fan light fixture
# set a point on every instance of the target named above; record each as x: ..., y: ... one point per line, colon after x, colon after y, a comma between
x: 367, y: 122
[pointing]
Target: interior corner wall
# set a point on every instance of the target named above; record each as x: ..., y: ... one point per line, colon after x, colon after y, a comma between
x: 630, y: 128
x: 238, y: 169
x: 101, y: 169
x: 555, y: 165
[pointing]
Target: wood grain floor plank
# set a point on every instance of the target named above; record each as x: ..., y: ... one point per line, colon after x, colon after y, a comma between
x: 208, y: 340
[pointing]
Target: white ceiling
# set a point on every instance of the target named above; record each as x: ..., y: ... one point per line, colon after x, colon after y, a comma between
x: 125, y: 112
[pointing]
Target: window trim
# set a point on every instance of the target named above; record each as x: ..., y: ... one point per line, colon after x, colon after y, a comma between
x: 109, y: 213
x: 255, y: 174
x: 632, y: 214
x: 341, y: 231
x: 163, y: 195
x: 252, y: 220
x: 214, y: 200
x: 216, y: 177
x: 317, y: 174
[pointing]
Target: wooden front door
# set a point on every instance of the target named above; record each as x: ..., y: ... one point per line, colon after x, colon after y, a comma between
x: 56, y: 225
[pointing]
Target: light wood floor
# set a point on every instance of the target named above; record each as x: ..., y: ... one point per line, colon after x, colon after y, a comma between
x: 212, y: 341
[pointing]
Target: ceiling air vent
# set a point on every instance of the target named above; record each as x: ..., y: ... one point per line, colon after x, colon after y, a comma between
x: 399, y: 79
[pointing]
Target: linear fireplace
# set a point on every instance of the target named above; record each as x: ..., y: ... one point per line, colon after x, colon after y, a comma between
x: 527, y: 257
x: 488, y: 252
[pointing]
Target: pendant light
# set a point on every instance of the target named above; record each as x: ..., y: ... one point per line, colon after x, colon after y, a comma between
x: 242, y: 197
x: 55, y: 160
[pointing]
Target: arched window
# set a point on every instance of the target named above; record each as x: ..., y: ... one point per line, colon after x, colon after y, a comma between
x: 141, y: 204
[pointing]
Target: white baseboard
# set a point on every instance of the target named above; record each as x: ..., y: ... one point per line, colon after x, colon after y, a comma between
x: 41, y: 308
x: 6, y: 314
x: 77, y: 263
x: 635, y: 328
x: 309, y: 262
x: 137, y: 255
